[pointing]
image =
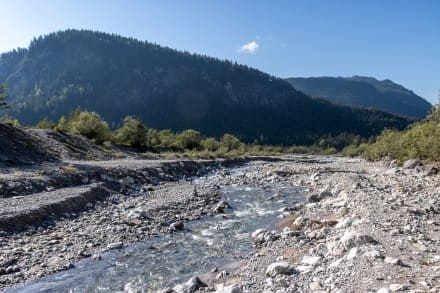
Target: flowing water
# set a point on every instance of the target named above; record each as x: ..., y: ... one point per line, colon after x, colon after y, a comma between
x: 171, y: 258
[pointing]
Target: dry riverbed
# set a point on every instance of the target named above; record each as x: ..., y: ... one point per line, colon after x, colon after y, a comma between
x: 366, y: 227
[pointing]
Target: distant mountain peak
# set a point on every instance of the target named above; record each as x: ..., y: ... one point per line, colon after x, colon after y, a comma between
x: 364, y: 91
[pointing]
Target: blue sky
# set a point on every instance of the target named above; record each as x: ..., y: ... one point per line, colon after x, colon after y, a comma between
x: 394, y: 39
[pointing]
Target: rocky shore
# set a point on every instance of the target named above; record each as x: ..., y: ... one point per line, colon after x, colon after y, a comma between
x: 365, y: 227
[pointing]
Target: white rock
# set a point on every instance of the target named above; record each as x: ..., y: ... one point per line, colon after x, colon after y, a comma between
x: 335, y: 248
x: 383, y: 290
x: 298, y: 221
x: 192, y: 285
x: 304, y: 269
x: 258, y: 232
x: 353, y: 253
x: 373, y: 254
x: 336, y: 263
x: 116, y: 245
x: 278, y: 268
x: 397, y: 287
x: 391, y: 260
x: 311, y: 260
x: 229, y: 289
x: 314, y: 286
x: 344, y: 223
x: 352, y: 239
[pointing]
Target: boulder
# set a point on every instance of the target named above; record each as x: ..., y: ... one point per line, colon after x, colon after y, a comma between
x: 190, y: 286
x: 278, y: 268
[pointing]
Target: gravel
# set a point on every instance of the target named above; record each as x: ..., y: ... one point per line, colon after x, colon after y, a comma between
x: 366, y: 227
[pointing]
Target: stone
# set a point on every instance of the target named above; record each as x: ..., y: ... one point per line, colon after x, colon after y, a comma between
x: 314, y: 197
x: 335, y: 263
x: 314, y: 286
x: 190, y: 286
x: 258, y: 232
x: 373, y: 254
x: 353, y: 253
x: 116, y: 245
x: 262, y: 235
x: 304, y: 269
x: 352, y: 239
x: 325, y: 193
x: 278, y: 268
x: 311, y: 260
x: 393, y: 261
x: 177, y: 226
x: 383, y: 290
x: 411, y: 164
x: 221, y: 275
x: 221, y: 207
x: 397, y: 287
x: 344, y: 223
x: 229, y: 289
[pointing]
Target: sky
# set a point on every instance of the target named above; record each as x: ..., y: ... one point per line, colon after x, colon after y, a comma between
x: 386, y: 39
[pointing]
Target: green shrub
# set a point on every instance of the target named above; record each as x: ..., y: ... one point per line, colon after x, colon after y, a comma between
x: 153, y: 137
x: 210, y: 144
x: 167, y: 138
x: 10, y: 120
x: 421, y: 140
x: 46, y: 124
x: 90, y: 125
x: 132, y: 133
x: 189, y: 139
x: 62, y: 125
x: 230, y: 142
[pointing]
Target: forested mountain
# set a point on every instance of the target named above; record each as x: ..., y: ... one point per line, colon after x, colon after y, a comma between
x: 366, y: 92
x: 117, y: 76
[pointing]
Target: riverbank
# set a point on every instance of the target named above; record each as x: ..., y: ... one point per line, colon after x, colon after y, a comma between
x: 366, y: 226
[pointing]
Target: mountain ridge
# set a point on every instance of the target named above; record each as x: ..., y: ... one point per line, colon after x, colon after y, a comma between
x: 117, y: 76
x: 364, y: 91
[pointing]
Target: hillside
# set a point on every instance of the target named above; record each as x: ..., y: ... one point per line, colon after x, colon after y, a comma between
x: 366, y: 92
x: 117, y: 76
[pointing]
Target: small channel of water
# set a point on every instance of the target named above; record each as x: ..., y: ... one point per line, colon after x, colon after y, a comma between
x: 172, y: 258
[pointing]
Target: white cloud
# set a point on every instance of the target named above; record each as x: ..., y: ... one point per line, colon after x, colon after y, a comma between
x: 250, y: 48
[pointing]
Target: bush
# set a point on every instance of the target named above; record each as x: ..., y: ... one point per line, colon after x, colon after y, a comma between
x: 230, y: 142
x: 189, y: 139
x: 421, y: 140
x: 90, y: 125
x: 62, y: 125
x: 167, y: 138
x: 153, y: 137
x: 10, y: 120
x: 46, y: 124
x: 132, y: 133
x: 210, y: 144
